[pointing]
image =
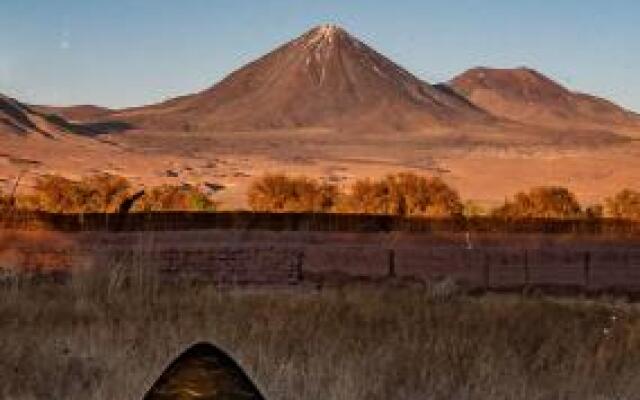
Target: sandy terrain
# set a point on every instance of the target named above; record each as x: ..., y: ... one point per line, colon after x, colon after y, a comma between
x: 485, y: 173
x: 481, y: 172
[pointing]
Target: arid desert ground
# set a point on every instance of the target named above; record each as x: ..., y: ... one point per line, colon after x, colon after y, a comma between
x: 483, y: 172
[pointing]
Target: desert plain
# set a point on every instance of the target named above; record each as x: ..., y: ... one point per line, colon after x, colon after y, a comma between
x: 483, y: 172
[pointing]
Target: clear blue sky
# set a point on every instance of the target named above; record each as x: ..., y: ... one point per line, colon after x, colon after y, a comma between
x: 131, y: 52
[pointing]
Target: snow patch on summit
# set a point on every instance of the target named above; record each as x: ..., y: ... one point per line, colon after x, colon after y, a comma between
x: 321, y: 36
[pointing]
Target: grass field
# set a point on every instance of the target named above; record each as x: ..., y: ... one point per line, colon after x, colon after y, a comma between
x: 95, y: 338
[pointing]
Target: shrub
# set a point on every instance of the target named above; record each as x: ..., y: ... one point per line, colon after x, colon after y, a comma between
x: 473, y: 209
x: 107, y: 191
x: 403, y: 194
x: 28, y: 202
x: 98, y: 193
x: 58, y: 194
x: 174, y: 198
x: 5, y: 202
x: 104, y: 193
x: 4, y: 199
x: 625, y: 204
x: 279, y: 193
x: 541, y: 202
x: 594, y: 211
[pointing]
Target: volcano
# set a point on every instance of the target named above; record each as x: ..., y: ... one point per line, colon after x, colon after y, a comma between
x: 19, y: 119
x: 324, y: 79
x: 527, y: 96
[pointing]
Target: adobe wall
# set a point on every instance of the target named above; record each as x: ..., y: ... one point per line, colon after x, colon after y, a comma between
x: 262, y: 258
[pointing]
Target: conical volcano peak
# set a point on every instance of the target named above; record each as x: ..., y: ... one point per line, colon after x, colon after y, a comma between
x: 329, y: 31
x: 325, y: 78
x: 326, y: 34
x: 329, y: 28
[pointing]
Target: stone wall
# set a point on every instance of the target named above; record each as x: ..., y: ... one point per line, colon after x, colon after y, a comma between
x: 244, y: 258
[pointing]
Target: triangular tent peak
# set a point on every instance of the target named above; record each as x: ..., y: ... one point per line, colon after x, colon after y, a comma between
x: 204, y: 372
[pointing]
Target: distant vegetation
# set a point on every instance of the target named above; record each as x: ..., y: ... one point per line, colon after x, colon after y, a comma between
x: 4, y: 200
x: 399, y: 194
x: 105, y: 193
x: 402, y: 194
x: 174, y: 198
x: 625, y: 204
x: 100, y: 193
x: 279, y: 193
x: 408, y: 194
x: 541, y: 202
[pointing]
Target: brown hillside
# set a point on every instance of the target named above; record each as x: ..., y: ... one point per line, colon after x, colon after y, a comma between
x: 80, y: 113
x: 527, y: 96
x: 326, y: 78
x: 19, y: 119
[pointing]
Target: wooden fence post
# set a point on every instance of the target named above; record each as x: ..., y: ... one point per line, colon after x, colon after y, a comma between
x: 587, y: 269
x: 299, y: 266
x: 486, y: 271
x: 627, y: 261
x: 527, y: 279
x: 392, y: 263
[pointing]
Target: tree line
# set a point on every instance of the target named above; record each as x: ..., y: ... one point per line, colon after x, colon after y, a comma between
x: 404, y: 194
x: 106, y: 193
x: 409, y: 194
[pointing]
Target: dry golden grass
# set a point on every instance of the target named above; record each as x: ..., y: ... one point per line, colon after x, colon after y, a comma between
x: 108, y: 334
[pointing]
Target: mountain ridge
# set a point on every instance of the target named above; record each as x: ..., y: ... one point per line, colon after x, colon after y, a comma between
x: 19, y: 119
x: 528, y: 96
x: 325, y: 78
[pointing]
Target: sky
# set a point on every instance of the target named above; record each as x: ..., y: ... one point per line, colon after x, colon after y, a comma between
x: 122, y: 53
